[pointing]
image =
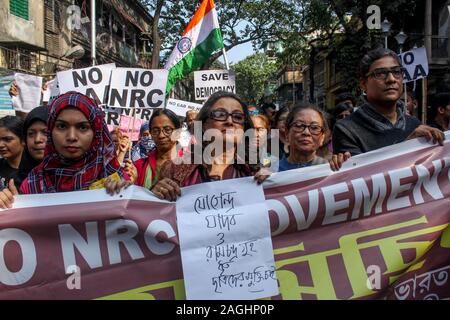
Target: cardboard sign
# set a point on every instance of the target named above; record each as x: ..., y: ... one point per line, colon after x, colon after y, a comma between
x: 206, y: 82
x: 92, y: 81
x: 415, y: 63
x: 181, y: 107
x: 130, y: 126
x: 137, y: 88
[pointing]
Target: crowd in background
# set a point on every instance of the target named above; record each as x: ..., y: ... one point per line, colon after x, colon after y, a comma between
x: 67, y: 146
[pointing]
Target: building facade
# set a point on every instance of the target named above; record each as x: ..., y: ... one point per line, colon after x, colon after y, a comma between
x: 45, y: 36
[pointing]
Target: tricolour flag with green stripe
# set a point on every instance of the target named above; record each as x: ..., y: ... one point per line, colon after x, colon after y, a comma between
x: 200, y: 39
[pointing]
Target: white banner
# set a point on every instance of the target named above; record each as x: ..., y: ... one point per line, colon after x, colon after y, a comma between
x: 181, y: 107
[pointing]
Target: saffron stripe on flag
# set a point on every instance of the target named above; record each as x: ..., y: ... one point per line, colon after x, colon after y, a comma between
x: 204, y: 9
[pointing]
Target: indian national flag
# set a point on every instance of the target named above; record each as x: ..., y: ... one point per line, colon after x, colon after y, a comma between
x: 200, y: 39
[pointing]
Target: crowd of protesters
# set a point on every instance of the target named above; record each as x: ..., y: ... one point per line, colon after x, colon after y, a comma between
x: 66, y: 146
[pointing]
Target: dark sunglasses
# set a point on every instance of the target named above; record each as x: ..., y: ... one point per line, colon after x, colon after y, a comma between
x: 222, y: 115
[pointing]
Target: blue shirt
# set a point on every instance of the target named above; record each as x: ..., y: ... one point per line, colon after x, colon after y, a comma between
x: 285, y: 165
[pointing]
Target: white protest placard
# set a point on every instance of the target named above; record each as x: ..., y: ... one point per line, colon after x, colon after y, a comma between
x: 206, y: 82
x: 415, y: 63
x: 52, y: 90
x: 181, y: 107
x: 112, y: 115
x: 137, y: 88
x: 92, y: 81
x: 225, y: 241
x: 29, y: 88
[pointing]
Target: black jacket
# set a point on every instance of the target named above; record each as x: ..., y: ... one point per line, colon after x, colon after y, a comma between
x: 366, y: 130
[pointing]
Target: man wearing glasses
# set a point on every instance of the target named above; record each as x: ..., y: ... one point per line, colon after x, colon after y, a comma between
x: 381, y: 120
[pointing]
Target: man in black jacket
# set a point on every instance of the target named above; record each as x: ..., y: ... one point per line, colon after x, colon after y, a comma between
x: 381, y: 121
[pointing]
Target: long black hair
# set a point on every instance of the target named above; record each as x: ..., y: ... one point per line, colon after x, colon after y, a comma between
x: 13, y: 124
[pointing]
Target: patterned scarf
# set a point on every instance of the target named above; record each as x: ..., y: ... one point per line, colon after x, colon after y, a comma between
x: 57, y: 174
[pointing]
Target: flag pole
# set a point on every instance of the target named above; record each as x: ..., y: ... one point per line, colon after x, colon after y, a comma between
x: 93, y: 34
x: 132, y: 130
x: 225, y: 58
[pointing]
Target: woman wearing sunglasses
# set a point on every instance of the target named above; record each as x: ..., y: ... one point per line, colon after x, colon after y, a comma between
x: 163, y: 125
x: 305, y: 133
x: 224, y: 119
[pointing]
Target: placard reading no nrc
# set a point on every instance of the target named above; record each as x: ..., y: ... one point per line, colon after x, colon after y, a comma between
x: 206, y: 82
x: 137, y: 88
x: 92, y: 81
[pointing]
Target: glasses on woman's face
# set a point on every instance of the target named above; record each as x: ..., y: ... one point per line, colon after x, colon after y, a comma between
x: 313, y: 128
x: 166, y: 130
x: 222, y: 115
x: 383, y: 73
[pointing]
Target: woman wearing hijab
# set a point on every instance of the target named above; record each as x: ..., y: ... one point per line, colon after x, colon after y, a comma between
x: 79, y: 153
x: 35, y: 133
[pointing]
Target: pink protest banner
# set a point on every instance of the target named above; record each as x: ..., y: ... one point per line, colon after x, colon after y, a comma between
x: 130, y: 126
x: 377, y: 229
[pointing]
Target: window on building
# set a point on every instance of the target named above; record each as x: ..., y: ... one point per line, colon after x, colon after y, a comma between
x: 19, y: 8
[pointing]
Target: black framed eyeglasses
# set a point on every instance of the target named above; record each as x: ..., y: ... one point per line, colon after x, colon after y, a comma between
x: 383, y: 73
x: 222, y: 115
x: 313, y: 128
x: 166, y: 130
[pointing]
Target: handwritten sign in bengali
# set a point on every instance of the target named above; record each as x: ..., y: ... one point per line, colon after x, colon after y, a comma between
x: 225, y: 241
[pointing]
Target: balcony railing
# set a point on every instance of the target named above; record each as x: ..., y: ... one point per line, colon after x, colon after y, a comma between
x: 17, y: 60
